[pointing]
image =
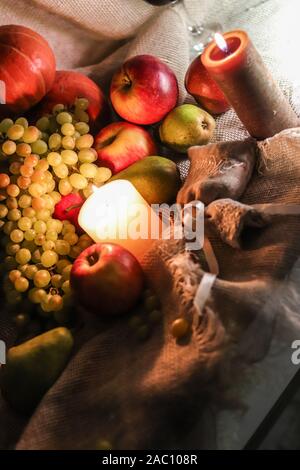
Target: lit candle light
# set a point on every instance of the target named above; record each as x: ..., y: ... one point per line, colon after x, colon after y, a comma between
x: 117, y: 213
x: 236, y: 66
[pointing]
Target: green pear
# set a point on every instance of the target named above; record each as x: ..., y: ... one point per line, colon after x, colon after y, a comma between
x: 156, y: 179
x: 186, y: 126
x: 33, y: 367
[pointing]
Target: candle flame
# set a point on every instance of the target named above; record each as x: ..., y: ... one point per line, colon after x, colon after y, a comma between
x: 221, y: 42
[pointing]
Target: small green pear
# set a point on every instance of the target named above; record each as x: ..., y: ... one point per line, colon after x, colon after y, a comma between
x: 33, y: 367
x: 186, y: 126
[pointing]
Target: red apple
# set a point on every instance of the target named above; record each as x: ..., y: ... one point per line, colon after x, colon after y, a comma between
x: 107, y: 279
x: 144, y: 90
x: 27, y: 67
x: 68, y: 208
x: 120, y: 144
x: 70, y: 85
x: 204, y: 89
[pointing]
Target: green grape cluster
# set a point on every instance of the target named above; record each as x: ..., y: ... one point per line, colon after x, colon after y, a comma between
x: 43, y: 163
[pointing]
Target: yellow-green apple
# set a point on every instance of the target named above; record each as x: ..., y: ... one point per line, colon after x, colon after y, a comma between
x: 107, y: 279
x: 144, y: 90
x: 204, y: 89
x: 185, y: 126
x: 120, y: 144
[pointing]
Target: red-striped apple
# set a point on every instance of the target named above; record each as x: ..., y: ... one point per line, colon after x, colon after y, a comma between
x: 107, y: 279
x: 120, y: 144
x: 144, y: 90
x: 204, y: 89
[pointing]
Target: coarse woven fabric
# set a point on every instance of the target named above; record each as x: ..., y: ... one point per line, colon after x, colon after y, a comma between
x: 154, y: 395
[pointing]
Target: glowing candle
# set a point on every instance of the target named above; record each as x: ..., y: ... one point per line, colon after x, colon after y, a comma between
x: 117, y: 213
x: 236, y: 66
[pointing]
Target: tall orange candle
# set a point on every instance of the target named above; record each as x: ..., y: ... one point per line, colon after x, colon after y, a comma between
x: 237, y: 67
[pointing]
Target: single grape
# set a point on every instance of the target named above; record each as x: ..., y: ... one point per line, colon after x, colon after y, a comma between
x: 43, y: 214
x: 89, y: 170
x: 42, y: 165
x: 11, y: 203
x: 4, y: 180
x: 49, y: 245
x: 31, y: 160
x: 30, y: 271
x: 65, y: 187
x: 22, y: 121
x: 8, y: 227
x: 37, y: 295
x: 38, y: 203
x: 29, y: 212
x: 35, y: 190
x: 23, y: 150
x: 5, y: 125
x: 69, y: 157
x: 12, y: 248
x: 42, y: 278
x: 54, y: 142
x: 78, y: 181
x: 54, y: 158
x: 85, y: 241
x: 87, y: 156
x: 55, y: 196
x: 68, y: 227
x: 31, y: 135
x: 68, y: 142
x: 26, y: 170
x: 56, y: 281
x: 84, y: 141
x: 23, y: 182
x: 30, y: 235
x: 3, y: 211
x: 9, y: 147
x: 15, y: 132
x: 43, y: 124
x: 16, y: 236
x: 66, y: 287
x: 62, y: 247
x: 66, y: 272
x: 21, y: 284
x: 67, y: 129
x: 62, y: 264
x: 49, y: 203
x: 14, y: 168
x: 13, y: 190
x: 49, y: 258
x: 40, y: 147
x: 24, y: 223
x: 82, y: 116
x: 56, y: 303
x: 58, y: 108
x: 75, y: 251
x: 39, y: 239
x: 14, y: 275
x: 61, y: 170
x: 24, y: 201
x: 103, y: 174
x: 23, y: 256
x: 51, y: 235
x: 81, y: 104
x: 14, y: 214
x: 82, y: 127
x: 63, y: 118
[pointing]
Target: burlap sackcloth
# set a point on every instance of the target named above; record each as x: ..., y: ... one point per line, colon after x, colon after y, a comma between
x: 157, y: 394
